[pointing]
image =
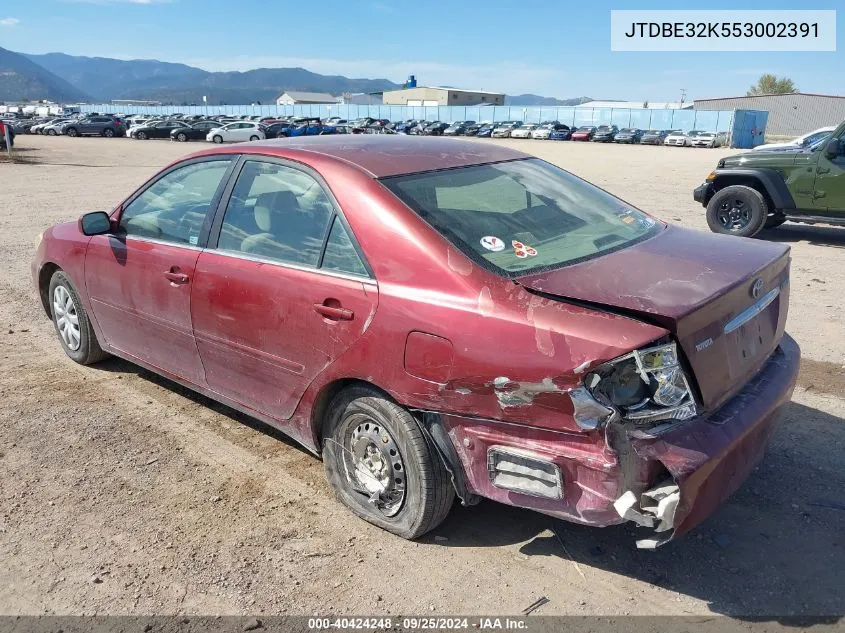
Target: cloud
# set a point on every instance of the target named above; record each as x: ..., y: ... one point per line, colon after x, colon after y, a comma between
x: 9, y: 22
x: 507, y: 77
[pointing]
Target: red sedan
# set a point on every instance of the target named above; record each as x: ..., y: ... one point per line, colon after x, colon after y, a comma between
x: 437, y: 318
x: 584, y: 133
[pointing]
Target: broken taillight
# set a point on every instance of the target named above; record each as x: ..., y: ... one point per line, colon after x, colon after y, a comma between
x: 645, y: 386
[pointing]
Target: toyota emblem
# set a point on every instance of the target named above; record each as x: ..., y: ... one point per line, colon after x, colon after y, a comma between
x: 756, y: 288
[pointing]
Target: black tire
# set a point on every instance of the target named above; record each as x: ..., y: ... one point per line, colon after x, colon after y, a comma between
x: 89, y: 350
x: 428, y: 491
x: 51, y: 133
x: 141, y: 136
x: 774, y: 220
x: 182, y: 137
x: 108, y: 132
x: 737, y: 210
x: 254, y: 138
x: 72, y: 131
x: 217, y: 139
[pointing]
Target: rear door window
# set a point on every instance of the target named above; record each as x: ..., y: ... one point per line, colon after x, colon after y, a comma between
x: 276, y: 212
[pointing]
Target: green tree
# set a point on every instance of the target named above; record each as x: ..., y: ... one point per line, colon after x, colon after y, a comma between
x: 772, y: 85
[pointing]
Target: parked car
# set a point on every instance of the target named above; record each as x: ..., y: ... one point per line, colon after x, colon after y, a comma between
x: 278, y: 129
x: 40, y: 127
x: 107, y: 126
x: 708, y: 139
x: 435, y: 129
x: 560, y: 132
x: 751, y: 191
x: 236, y: 132
x: 676, y: 138
x: 654, y: 137
x: 486, y: 130
x: 196, y: 131
x: 3, y: 126
x: 544, y: 130
x: 404, y: 127
x: 805, y: 140
x: 472, y: 128
x: 605, y: 134
x: 628, y: 135
x: 158, y: 129
x: 584, y: 133
x: 524, y: 130
x: 505, y: 129
x: 403, y: 394
x: 457, y: 128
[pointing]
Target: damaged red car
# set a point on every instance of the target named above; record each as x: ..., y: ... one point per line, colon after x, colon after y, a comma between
x: 441, y: 318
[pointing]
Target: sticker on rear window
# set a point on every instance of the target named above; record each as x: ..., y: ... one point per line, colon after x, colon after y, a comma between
x: 492, y: 243
x: 522, y: 250
x: 193, y: 239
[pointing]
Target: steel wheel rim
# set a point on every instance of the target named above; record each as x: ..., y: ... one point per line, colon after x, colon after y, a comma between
x: 373, y: 464
x: 67, y: 318
x: 734, y: 215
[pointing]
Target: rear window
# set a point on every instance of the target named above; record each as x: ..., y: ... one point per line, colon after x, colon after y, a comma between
x: 522, y: 216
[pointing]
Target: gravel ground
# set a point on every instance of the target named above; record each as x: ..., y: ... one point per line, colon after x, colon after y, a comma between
x: 121, y: 493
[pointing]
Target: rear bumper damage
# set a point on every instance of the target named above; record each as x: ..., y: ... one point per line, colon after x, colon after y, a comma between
x: 667, y: 479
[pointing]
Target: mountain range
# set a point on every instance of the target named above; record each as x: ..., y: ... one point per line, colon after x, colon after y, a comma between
x: 69, y: 78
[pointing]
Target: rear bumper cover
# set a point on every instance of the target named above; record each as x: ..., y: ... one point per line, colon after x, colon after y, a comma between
x: 708, y: 457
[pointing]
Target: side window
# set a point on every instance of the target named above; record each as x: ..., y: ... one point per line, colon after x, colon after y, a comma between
x: 340, y: 252
x: 276, y: 212
x: 174, y: 207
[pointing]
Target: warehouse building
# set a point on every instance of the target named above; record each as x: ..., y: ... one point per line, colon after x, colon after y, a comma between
x: 303, y: 98
x: 436, y: 96
x: 789, y: 114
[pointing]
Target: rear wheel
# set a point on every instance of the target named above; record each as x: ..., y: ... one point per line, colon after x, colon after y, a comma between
x: 382, y: 466
x: 737, y: 210
x: 71, y: 322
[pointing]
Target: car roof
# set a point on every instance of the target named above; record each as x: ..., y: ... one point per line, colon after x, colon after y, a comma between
x: 381, y: 155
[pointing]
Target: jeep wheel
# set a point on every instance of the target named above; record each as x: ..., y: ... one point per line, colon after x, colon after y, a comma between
x: 774, y: 220
x: 737, y: 210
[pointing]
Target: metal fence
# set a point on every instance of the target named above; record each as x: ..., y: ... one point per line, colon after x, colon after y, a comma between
x: 712, y: 121
x: 709, y: 121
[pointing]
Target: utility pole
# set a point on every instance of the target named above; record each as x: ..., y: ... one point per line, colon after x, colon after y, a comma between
x: 683, y: 95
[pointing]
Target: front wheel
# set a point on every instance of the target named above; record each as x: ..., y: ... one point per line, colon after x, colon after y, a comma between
x: 737, y: 210
x: 50, y: 132
x: 382, y: 466
x: 141, y: 136
x: 72, y: 323
x: 217, y: 139
x: 72, y: 132
x: 254, y: 138
x: 182, y: 137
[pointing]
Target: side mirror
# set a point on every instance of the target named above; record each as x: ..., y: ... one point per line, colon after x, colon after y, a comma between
x: 833, y: 148
x: 95, y: 223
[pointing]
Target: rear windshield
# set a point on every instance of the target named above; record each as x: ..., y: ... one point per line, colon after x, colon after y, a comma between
x: 522, y: 216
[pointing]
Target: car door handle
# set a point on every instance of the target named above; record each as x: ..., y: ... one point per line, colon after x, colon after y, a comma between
x: 176, y: 277
x: 334, y: 312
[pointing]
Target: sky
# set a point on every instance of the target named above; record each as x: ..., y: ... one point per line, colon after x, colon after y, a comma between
x: 545, y: 47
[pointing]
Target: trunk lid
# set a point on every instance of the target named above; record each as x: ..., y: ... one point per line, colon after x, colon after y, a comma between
x: 723, y: 298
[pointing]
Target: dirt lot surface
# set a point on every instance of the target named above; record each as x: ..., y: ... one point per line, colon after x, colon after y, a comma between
x: 121, y: 493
